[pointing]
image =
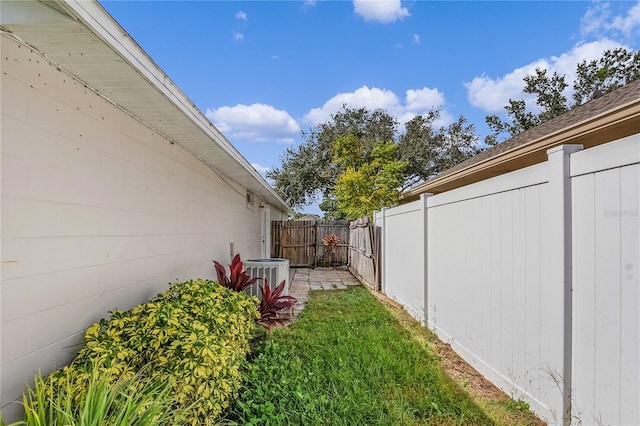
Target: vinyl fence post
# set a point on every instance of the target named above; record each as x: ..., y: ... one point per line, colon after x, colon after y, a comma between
x: 559, y: 223
x: 383, y: 246
x: 425, y: 261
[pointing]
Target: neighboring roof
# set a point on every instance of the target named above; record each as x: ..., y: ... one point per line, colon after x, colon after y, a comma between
x: 82, y: 39
x: 308, y: 217
x: 605, y: 119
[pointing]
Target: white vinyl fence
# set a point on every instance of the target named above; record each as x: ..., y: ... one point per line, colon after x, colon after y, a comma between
x: 532, y: 277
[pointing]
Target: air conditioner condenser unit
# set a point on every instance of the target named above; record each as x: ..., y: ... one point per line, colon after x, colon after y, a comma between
x: 273, y: 270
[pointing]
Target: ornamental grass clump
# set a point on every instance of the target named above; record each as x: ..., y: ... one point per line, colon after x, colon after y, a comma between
x: 194, y: 337
x: 106, y: 400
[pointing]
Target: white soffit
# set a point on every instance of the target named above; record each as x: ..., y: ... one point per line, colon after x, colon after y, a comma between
x: 84, y: 40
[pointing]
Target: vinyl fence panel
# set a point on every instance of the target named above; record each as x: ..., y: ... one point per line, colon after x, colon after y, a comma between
x: 487, y: 288
x: 606, y: 264
x: 532, y: 276
x: 403, y: 277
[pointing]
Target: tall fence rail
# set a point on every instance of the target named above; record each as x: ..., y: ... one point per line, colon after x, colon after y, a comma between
x: 533, y: 278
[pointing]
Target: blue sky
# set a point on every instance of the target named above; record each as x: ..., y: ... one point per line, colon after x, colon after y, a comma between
x: 262, y: 71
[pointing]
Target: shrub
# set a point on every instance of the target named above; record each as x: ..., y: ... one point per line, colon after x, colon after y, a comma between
x: 194, y: 336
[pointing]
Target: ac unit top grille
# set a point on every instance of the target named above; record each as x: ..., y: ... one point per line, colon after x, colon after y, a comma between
x: 273, y: 270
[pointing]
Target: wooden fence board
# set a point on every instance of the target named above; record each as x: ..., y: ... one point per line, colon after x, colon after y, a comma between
x: 363, y: 252
x: 302, y: 242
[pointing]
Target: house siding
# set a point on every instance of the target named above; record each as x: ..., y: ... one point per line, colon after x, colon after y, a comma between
x: 98, y: 212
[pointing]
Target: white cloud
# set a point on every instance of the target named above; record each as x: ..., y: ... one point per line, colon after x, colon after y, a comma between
x: 363, y: 97
x: 416, y: 38
x: 260, y: 169
x: 595, y: 17
x: 600, y: 20
x: 309, y: 3
x: 275, y: 57
x: 491, y: 95
x: 257, y: 122
x: 384, y: 11
x: 424, y: 99
x: 238, y: 36
x: 418, y: 101
x: 629, y: 23
x: 241, y: 15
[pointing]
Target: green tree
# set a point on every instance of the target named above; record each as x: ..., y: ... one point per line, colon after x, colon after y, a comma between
x: 613, y: 69
x: 366, y: 186
x: 329, y: 206
x: 549, y: 99
x: 307, y: 172
x: 429, y: 151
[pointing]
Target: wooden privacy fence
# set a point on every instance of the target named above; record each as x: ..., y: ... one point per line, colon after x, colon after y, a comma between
x: 364, y: 251
x: 301, y: 242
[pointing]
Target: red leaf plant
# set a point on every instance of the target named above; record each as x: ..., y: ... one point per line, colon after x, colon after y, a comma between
x: 238, y: 280
x: 272, y: 303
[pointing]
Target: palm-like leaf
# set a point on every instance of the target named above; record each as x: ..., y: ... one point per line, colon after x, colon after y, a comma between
x: 272, y: 304
x: 239, y: 280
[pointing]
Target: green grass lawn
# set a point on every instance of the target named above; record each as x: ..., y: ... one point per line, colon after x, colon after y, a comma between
x: 349, y: 361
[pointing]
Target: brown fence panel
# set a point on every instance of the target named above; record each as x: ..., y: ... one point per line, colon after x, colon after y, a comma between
x: 301, y: 242
x: 362, y: 252
x: 341, y: 255
x: 297, y: 242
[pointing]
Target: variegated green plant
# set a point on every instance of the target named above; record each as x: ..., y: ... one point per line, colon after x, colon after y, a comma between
x: 194, y: 337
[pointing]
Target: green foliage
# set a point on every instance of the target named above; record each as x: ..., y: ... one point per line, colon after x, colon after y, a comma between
x: 273, y: 305
x: 329, y: 206
x: 238, y: 279
x: 367, y: 186
x: 429, y: 151
x: 548, y: 91
x: 519, y: 120
x: 347, y: 361
x: 105, y: 400
x: 307, y: 171
x: 194, y: 336
x: 613, y: 69
x: 310, y: 171
x: 517, y: 406
x: 549, y: 98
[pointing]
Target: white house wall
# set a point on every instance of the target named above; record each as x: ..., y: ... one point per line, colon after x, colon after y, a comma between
x: 98, y: 212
